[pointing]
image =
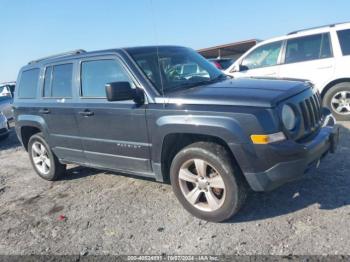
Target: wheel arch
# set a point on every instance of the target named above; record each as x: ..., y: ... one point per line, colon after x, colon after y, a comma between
x: 333, y: 83
x: 27, y: 126
x: 174, y: 132
x: 175, y: 142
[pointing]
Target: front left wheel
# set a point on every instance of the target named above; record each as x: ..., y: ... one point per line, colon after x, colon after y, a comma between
x: 207, y: 182
x: 44, y: 161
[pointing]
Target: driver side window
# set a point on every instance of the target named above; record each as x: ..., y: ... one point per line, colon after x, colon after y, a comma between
x: 263, y: 56
x: 95, y: 74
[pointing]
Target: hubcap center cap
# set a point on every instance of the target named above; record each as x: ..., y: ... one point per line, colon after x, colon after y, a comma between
x: 203, y: 183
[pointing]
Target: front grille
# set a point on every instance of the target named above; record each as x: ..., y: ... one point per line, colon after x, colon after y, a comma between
x: 311, y: 111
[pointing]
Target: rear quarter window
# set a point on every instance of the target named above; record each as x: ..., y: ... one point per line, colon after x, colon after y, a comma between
x: 344, y: 40
x: 28, y: 83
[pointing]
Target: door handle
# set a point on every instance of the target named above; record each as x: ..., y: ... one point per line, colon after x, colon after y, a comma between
x: 44, y: 111
x: 86, y: 112
x: 324, y: 67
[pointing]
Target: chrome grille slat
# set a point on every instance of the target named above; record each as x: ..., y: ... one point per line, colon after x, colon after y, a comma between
x: 315, y: 109
x: 311, y: 112
x: 306, y: 115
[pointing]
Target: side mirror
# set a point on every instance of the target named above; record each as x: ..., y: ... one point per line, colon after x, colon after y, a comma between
x: 122, y: 91
x: 239, y: 68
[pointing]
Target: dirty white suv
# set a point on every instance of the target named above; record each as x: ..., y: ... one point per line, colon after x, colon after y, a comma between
x: 321, y: 55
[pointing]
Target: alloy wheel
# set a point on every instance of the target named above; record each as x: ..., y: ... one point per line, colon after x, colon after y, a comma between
x: 202, y: 186
x: 41, y: 158
x: 341, y: 102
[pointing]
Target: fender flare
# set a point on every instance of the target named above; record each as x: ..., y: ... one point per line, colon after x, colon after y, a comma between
x: 30, y: 121
x: 225, y: 128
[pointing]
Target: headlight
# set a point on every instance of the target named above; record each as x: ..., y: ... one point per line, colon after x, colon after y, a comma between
x: 288, y: 117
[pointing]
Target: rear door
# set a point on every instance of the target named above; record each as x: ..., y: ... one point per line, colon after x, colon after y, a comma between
x: 309, y: 57
x: 114, y: 134
x: 57, y: 108
x: 262, y: 61
x: 343, y: 59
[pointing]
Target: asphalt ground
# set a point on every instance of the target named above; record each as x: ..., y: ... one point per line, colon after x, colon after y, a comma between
x: 92, y: 212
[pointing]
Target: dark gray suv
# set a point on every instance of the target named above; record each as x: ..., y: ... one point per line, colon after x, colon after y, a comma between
x: 132, y: 110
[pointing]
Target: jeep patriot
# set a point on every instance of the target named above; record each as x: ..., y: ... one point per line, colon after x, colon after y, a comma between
x: 164, y: 112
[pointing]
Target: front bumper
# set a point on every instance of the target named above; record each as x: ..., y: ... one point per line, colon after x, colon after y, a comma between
x: 290, y: 159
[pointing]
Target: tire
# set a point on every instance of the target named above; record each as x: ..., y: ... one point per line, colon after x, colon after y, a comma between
x: 43, y: 160
x: 336, y: 93
x: 232, y: 188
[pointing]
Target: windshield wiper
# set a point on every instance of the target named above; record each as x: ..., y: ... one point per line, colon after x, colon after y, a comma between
x: 198, y: 83
x: 219, y: 77
x: 210, y: 81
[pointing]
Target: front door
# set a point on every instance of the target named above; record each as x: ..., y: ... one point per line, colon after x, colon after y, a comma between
x: 261, y: 62
x: 114, y: 134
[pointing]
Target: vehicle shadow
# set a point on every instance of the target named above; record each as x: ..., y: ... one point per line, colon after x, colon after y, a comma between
x: 327, y: 187
x: 11, y: 141
x: 77, y: 172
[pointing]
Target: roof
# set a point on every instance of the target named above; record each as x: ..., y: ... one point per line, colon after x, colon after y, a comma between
x: 8, y: 83
x: 82, y: 53
x: 318, y: 27
x: 235, y: 48
x: 307, y: 31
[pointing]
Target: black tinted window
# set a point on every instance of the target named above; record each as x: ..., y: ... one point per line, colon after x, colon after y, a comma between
x: 48, y: 81
x: 62, y: 81
x: 28, y: 83
x: 308, y: 48
x: 96, y: 74
x: 344, y: 39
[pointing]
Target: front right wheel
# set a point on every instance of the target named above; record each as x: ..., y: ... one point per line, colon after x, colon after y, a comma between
x: 206, y: 181
x: 337, y: 99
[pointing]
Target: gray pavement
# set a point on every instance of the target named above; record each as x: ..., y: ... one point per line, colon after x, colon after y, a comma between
x: 96, y: 212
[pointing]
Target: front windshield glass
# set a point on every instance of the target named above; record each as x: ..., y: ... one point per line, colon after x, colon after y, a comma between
x: 172, y: 68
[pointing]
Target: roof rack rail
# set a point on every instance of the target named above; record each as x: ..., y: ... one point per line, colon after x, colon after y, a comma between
x: 73, y: 52
x: 316, y: 27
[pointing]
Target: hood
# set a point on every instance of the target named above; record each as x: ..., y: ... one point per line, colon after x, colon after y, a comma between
x: 257, y: 92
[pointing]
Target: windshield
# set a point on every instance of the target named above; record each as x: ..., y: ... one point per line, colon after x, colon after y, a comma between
x: 171, y: 68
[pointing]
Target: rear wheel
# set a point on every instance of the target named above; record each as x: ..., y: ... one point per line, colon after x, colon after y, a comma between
x: 206, y: 182
x: 337, y: 99
x: 43, y: 159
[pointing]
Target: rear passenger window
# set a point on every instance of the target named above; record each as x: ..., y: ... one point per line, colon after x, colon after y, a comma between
x: 58, y: 81
x: 62, y: 81
x: 96, y: 74
x: 28, y: 83
x: 308, y: 48
x: 344, y: 39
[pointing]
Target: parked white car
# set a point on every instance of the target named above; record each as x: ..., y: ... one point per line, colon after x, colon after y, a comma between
x: 321, y: 55
x: 7, y: 89
x: 4, y: 126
